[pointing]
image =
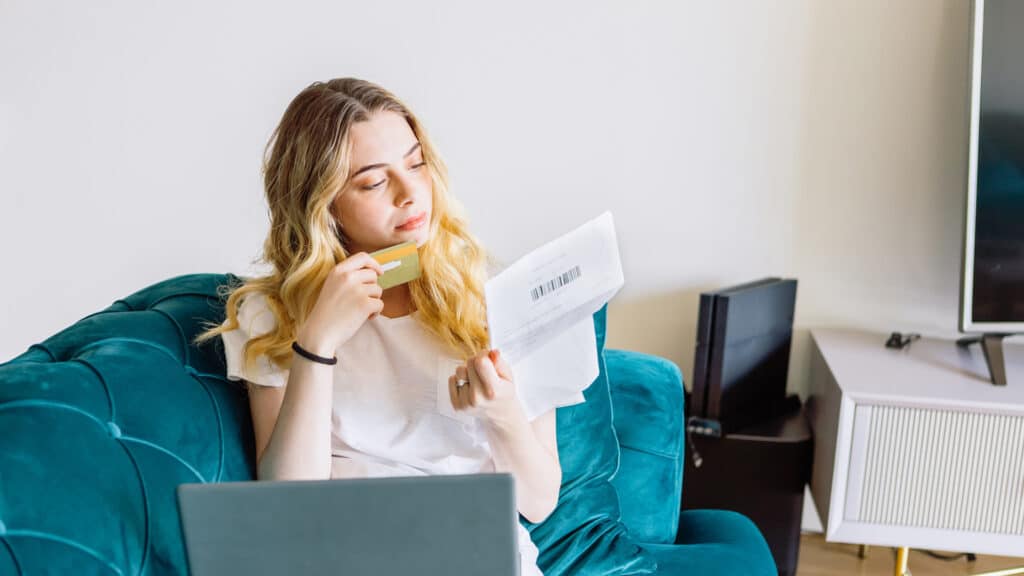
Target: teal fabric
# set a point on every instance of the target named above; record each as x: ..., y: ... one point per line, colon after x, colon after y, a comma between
x: 103, y: 420
x: 585, y: 533
x: 717, y: 542
x: 651, y: 446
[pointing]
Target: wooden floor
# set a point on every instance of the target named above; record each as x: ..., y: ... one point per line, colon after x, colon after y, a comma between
x: 820, y: 558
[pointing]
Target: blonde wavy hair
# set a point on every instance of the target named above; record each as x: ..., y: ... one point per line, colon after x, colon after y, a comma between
x: 306, y: 164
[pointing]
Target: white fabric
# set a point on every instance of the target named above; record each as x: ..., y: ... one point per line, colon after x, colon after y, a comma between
x: 391, y: 414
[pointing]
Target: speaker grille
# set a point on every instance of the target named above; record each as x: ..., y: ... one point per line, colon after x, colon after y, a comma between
x: 943, y: 469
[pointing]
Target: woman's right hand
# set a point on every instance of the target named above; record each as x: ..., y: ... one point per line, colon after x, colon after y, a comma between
x: 349, y: 297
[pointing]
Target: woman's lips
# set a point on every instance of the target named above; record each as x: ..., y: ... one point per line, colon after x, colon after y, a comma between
x: 414, y: 223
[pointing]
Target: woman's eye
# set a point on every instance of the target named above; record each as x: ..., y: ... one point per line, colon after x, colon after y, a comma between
x: 377, y: 185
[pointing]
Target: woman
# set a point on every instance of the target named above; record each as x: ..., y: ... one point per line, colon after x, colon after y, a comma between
x: 346, y: 379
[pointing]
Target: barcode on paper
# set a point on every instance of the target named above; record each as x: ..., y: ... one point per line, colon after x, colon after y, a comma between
x: 555, y: 283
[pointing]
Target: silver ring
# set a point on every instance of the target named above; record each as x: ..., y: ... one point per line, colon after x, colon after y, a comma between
x: 459, y: 382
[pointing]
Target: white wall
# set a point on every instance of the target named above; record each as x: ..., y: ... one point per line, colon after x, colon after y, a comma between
x: 732, y: 140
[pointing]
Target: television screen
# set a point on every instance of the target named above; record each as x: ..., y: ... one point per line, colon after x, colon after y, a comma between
x: 992, y: 295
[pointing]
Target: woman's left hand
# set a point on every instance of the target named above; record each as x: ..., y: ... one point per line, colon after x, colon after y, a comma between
x: 490, y: 393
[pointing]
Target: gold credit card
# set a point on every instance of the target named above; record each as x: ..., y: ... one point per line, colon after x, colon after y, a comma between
x: 401, y: 264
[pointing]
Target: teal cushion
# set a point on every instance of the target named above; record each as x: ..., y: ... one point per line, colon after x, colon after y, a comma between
x: 585, y: 534
x: 717, y: 542
x: 102, y: 421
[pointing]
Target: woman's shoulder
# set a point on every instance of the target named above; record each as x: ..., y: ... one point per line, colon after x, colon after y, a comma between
x: 255, y: 319
x: 254, y: 314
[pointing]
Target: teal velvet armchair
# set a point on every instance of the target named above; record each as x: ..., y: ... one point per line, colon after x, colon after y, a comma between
x: 102, y: 421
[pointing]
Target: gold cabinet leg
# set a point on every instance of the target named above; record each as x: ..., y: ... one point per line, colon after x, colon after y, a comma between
x: 901, y: 561
x: 862, y: 551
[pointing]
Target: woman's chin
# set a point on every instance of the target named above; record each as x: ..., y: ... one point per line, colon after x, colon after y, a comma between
x: 419, y: 236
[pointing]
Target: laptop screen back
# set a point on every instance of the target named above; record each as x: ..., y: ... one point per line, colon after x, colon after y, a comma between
x: 425, y: 525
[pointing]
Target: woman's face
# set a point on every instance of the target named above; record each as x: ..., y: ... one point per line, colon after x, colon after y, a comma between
x: 389, y: 185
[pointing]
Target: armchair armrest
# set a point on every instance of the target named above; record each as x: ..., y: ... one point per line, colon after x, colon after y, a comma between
x: 647, y: 405
x: 715, y: 542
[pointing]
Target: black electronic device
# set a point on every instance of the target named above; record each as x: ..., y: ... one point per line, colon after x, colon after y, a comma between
x: 742, y: 355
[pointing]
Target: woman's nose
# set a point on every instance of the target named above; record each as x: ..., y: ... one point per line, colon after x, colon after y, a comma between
x: 405, y: 190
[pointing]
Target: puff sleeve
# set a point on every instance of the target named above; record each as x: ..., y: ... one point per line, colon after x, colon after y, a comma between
x: 254, y: 319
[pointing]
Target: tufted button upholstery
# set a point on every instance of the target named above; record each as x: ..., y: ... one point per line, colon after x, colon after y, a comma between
x: 103, y: 420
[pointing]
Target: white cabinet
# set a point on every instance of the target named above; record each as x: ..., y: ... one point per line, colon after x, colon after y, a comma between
x: 916, y: 447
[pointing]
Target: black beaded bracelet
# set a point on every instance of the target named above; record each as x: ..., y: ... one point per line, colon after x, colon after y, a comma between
x: 307, y: 354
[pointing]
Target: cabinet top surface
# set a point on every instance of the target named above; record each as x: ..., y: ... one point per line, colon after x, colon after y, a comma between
x: 931, y: 372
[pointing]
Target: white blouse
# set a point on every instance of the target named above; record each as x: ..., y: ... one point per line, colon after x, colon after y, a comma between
x: 392, y: 415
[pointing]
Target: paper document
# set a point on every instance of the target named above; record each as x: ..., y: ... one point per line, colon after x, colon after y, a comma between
x: 540, y: 312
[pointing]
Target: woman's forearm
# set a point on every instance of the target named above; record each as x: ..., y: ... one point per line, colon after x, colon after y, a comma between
x: 538, y: 476
x: 300, y: 445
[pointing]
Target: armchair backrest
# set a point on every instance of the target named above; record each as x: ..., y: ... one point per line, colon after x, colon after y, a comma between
x: 102, y: 421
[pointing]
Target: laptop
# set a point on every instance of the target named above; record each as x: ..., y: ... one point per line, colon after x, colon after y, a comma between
x: 424, y: 525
